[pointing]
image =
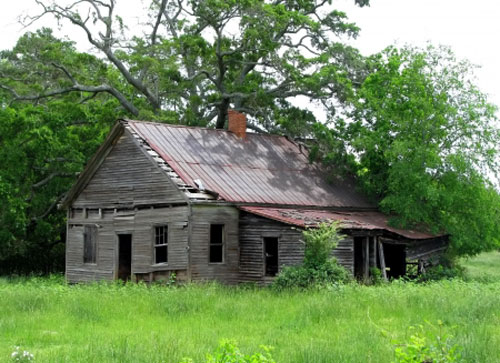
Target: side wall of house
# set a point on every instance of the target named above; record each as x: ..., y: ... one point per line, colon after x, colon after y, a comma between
x: 202, y: 217
x: 141, y: 225
x: 254, y: 228
x: 127, y: 177
x: 119, y: 199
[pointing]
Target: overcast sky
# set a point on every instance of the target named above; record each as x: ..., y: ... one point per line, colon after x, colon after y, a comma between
x: 471, y: 28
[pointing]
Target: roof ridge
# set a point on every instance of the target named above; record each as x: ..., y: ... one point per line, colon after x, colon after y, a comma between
x: 203, y: 128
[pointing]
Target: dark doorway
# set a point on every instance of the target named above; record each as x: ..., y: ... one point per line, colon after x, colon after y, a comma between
x: 359, y: 262
x: 124, y: 256
x: 395, y: 260
x: 271, y: 256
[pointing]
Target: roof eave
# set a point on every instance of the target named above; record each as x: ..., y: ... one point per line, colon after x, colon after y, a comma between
x: 92, y: 165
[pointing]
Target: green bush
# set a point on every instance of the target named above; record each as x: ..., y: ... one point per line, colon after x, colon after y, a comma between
x: 447, y: 269
x: 228, y: 352
x: 319, y: 268
x: 426, y: 346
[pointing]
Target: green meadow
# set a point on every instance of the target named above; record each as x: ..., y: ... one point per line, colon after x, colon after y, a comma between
x: 138, y: 323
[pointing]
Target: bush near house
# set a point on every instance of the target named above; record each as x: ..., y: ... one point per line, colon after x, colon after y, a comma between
x: 319, y: 268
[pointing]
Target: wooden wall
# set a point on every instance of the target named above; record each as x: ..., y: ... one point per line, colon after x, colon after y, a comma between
x: 127, y: 177
x: 291, y: 248
x: 201, y: 218
x: 140, y: 223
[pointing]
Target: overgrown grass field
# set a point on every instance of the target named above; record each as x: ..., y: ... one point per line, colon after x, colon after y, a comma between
x: 136, y: 323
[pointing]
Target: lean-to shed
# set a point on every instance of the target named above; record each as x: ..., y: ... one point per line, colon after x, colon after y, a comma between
x: 212, y: 204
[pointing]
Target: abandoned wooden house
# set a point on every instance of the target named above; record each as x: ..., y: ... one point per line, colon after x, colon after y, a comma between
x: 212, y: 204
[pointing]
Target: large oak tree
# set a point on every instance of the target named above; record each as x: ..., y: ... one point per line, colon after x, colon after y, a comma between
x: 196, y: 59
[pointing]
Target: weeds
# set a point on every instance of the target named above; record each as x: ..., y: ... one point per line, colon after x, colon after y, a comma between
x: 427, y: 345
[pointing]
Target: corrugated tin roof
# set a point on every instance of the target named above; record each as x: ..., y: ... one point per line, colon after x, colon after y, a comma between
x: 369, y: 220
x: 266, y: 169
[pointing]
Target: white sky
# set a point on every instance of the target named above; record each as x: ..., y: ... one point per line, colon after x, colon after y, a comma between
x: 471, y: 28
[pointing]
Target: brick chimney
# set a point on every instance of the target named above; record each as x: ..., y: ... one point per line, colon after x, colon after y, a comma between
x: 237, y: 123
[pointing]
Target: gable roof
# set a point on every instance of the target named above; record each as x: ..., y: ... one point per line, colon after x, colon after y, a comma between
x: 267, y: 175
x: 260, y: 169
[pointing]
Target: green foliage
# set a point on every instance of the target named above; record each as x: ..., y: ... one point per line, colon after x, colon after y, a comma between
x: 320, y: 242
x: 447, y: 268
x: 194, y: 62
x: 319, y: 268
x: 376, y: 277
x: 304, y: 277
x: 426, y: 145
x: 138, y: 323
x: 424, y: 345
x: 228, y: 352
x: 43, y: 147
x: 483, y: 268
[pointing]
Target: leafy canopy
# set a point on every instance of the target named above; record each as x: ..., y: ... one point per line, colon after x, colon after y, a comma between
x: 425, y: 141
x: 198, y: 58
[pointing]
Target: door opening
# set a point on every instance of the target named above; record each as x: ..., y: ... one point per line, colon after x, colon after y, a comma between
x: 359, y: 263
x: 271, y: 256
x: 395, y: 260
x: 124, y: 256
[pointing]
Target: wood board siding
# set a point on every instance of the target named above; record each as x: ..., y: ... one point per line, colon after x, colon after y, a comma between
x: 127, y: 177
x: 290, y: 246
x: 140, y: 224
x: 344, y: 253
x: 201, y: 218
x: 252, y: 231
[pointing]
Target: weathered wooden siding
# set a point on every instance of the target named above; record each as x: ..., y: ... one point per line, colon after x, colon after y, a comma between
x: 140, y: 223
x: 201, y: 218
x: 344, y: 253
x: 127, y: 177
x: 291, y: 248
x: 252, y: 231
x: 426, y: 249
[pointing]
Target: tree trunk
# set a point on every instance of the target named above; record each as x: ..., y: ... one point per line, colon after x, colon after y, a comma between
x: 222, y: 113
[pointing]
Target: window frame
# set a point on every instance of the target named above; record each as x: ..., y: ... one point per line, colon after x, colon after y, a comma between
x: 155, y: 245
x: 222, y: 244
x: 90, y: 232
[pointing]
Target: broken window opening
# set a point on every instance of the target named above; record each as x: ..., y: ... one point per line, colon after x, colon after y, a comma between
x: 89, y: 244
x: 216, y: 253
x: 161, y: 244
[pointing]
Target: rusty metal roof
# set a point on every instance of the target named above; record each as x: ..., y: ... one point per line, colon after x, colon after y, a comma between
x: 260, y: 169
x: 366, y: 220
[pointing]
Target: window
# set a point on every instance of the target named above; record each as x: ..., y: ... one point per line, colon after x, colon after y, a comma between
x: 89, y: 244
x: 161, y: 244
x: 216, y: 243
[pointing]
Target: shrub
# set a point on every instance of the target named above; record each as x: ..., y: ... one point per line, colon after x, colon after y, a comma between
x: 447, y: 269
x: 425, y: 346
x: 319, y: 268
x: 228, y: 352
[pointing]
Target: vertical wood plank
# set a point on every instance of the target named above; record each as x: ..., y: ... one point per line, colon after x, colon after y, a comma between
x: 366, y: 257
x: 382, y: 259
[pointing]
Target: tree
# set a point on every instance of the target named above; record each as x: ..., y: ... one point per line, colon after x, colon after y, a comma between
x: 199, y: 58
x: 425, y: 141
x: 43, y: 146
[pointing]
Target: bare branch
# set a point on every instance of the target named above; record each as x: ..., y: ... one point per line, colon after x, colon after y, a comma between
x: 163, y: 5
x: 53, y: 175
x: 49, y: 209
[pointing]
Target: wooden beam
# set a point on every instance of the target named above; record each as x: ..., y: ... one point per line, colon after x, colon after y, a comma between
x: 366, y: 258
x: 382, y: 259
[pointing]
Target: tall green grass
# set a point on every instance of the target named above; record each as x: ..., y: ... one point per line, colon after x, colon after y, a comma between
x: 136, y: 323
x: 484, y: 267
